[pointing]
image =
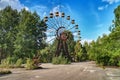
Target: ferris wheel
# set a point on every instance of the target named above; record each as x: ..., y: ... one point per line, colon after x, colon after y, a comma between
x: 57, y: 24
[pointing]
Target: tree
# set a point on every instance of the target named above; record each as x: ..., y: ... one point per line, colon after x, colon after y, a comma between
x: 21, y: 33
x: 9, y: 19
x: 78, y: 51
x: 105, y: 50
x: 81, y: 51
x: 30, y: 34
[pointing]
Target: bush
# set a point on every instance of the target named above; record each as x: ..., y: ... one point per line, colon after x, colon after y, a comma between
x: 119, y: 63
x: 103, y: 60
x: 19, y: 63
x: 30, y: 64
x: 60, y: 60
x: 6, y: 63
x: 115, y: 58
x: 5, y: 72
x: 9, y: 62
x: 46, y: 55
x: 103, y: 57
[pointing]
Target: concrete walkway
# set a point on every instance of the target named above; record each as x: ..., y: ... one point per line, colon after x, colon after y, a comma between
x: 113, y: 73
x: 74, y: 71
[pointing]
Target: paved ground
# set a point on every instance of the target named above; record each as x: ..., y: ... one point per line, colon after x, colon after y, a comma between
x: 74, y: 71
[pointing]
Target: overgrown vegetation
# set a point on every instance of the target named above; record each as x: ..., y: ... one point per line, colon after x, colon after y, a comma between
x: 30, y: 64
x: 22, y: 36
x: 19, y: 63
x: 60, y: 60
x: 106, y: 50
x: 21, y: 33
x: 11, y: 62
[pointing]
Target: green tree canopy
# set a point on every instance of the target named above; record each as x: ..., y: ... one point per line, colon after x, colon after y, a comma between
x: 21, y: 33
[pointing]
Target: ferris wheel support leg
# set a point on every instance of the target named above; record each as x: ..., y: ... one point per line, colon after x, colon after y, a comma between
x: 58, y: 49
x: 66, y: 51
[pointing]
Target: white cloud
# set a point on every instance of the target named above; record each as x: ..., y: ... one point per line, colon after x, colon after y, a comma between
x: 102, y: 7
x: 15, y: 4
x: 75, y: 34
x: 40, y: 9
x: 111, y: 1
x: 57, y: 8
x: 43, y: 10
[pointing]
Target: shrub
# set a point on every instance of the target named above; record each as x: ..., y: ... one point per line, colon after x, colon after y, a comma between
x: 103, y: 60
x: 46, y: 55
x: 119, y: 63
x: 6, y: 63
x: 103, y: 57
x: 115, y: 58
x: 30, y: 64
x: 60, y: 60
x: 19, y: 63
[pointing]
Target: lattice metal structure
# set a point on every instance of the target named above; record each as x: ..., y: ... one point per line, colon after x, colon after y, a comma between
x: 57, y: 25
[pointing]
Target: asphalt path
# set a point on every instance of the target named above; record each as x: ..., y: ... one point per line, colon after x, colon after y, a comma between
x: 74, y: 71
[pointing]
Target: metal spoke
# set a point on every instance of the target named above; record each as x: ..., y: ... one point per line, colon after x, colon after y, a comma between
x: 53, y: 22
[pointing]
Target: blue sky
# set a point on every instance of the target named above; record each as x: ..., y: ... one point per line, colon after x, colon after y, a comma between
x: 94, y: 17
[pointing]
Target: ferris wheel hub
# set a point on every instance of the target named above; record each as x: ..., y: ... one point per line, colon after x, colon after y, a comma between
x: 60, y: 30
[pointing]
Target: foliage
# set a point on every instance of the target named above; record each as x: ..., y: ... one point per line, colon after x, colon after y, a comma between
x: 103, y: 57
x: 22, y: 33
x: 29, y: 64
x: 7, y: 63
x: 80, y: 52
x: 19, y: 62
x: 106, y: 50
x: 60, y: 60
x: 118, y: 64
x: 46, y: 54
x: 11, y: 62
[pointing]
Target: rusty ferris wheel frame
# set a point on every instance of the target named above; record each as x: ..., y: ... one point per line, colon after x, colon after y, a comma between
x: 59, y: 23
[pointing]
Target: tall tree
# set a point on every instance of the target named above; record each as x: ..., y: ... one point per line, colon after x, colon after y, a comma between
x: 30, y: 34
x: 21, y: 33
x: 78, y: 51
x: 9, y: 19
